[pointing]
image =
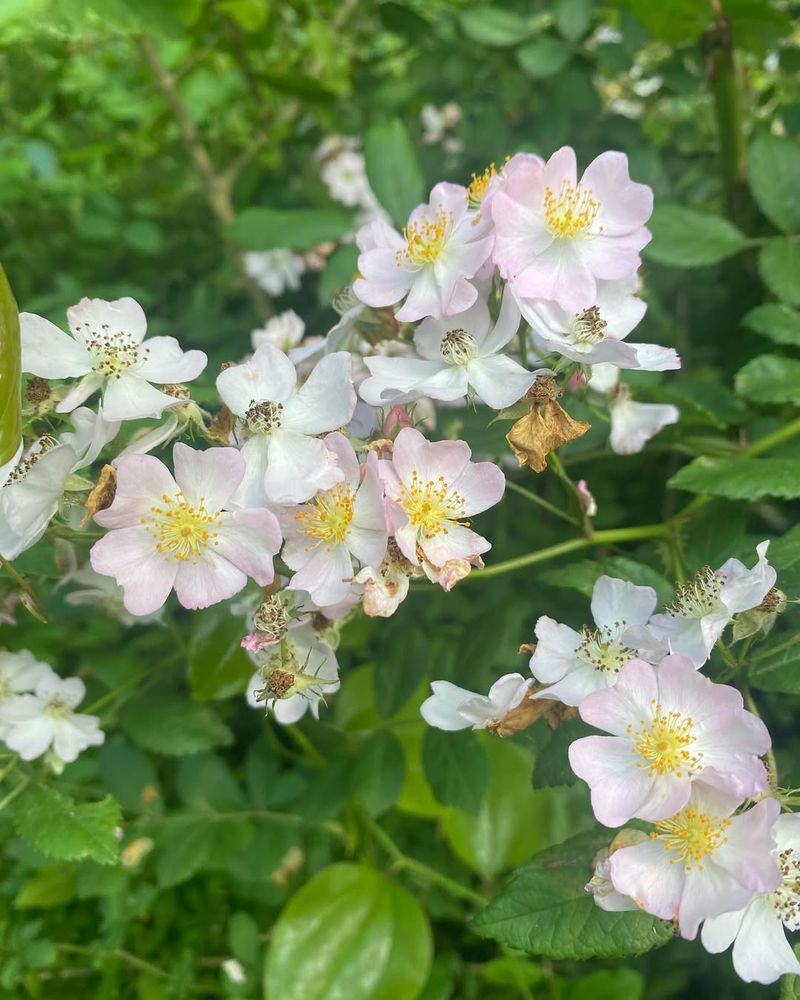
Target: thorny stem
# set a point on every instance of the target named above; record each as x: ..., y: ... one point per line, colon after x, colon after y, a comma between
x: 401, y: 862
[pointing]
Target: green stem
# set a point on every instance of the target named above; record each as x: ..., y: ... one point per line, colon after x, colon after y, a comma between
x: 10, y: 375
x: 31, y: 601
x: 605, y: 537
x: 401, y: 862
x: 303, y: 743
x: 17, y: 790
x: 540, y: 502
x: 9, y: 767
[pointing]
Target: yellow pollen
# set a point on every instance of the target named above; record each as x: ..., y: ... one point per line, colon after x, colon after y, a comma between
x: 571, y: 212
x: 691, y: 835
x: 181, y: 530
x: 328, y: 516
x: 479, y: 185
x: 431, y: 506
x: 664, y: 744
x: 425, y: 239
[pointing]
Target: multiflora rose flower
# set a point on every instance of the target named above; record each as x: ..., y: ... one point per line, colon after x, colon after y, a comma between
x: 107, y: 351
x: 285, y: 462
x: 761, y: 952
x: 458, y: 355
x: 338, y: 525
x: 431, y: 487
x: 181, y: 532
x: 46, y: 719
x: 452, y: 708
x: 429, y: 266
x: 576, y: 663
x: 701, y: 862
x: 555, y: 236
x: 20, y: 672
x: 671, y: 726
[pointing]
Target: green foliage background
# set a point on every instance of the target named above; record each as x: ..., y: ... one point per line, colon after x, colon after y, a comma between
x: 143, y: 146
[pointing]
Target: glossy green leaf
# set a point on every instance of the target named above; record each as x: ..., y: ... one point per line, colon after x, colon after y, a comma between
x: 543, y: 57
x: 685, y: 238
x: 573, y: 18
x: 60, y: 828
x: 779, y: 322
x: 495, y: 26
x: 218, y: 666
x: 10, y: 356
x: 350, y: 933
x: 740, y: 478
x: 778, y: 671
x: 171, y: 724
x: 379, y: 772
x: 773, y: 169
x: 291, y: 228
x: 393, y: 169
x: 545, y: 910
x: 770, y: 378
x: 456, y: 767
x: 779, y: 266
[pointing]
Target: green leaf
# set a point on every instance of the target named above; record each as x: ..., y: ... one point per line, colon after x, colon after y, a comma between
x: 126, y: 772
x: 551, y: 767
x: 770, y: 378
x: 218, y: 666
x: 393, y: 169
x: 778, y: 671
x: 582, y: 575
x: 608, y: 984
x: 573, y: 18
x: 456, y: 767
x: 171, y: 724
x: 291, y: 228
x: 10, y: 378
x: 349, y: 934
x: 340, y: 270
x: 778, y: 322
x: 61, y: 828
x: 47, y: 888
x: 674, y: 22
x: 379, y: 772
x: 401, y: 662
x: 784, y: 555
x: 790, y: 984
x: 543, y: 57
x: 774, y: 166
x: 779, y: 266
x: 685, y: 238
x: 740, y: 478
x: 545, y: 910
x: 494, y: 26
x: 185, y: 846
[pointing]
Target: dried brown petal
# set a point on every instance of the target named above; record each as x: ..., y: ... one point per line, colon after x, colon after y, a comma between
x: 102, y: 496
x: 221, y: 426
x: 547, y: 427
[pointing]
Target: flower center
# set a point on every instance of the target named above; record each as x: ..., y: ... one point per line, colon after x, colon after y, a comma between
x: 571, y: 212
x: 264, y: 417
x: 425, y: 239
x: 603, y: 648
x: 664, y: 743
x: 113, y: 353
x: 57, y: 708
x: 328, y: 516
x: 181, y: 530
x: 25, y: 464
x: 691, y: 835
x: 590, y: 328
x: 698, y: 597
x: 431, y: 506
x: 786, y: 898
x: 479, y: 185
x: 458, y: 347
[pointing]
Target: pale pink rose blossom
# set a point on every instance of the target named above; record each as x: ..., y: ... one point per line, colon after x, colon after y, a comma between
x: 761, y: 953
x: 336, y: 526
x: 430, y: 265
x: 555, y: 236
x: 431, y: 487
x: 108, y: 352
x: 180, y: 533
x: 701, y: 862
x: 670, y: 726
x: 451, y: 707
x: 20, y: 672
x: 633, y: 424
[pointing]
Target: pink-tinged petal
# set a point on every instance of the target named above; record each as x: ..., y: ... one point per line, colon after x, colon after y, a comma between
x: 554, y: 655
x: 499, y: 380
x: 719, y: 933
x: 209, y: 477
x: 609, y: 768
x: 481, y: 485
x: 345, y: 454
x: 459, y: 542
x: 708, y: 891
x: 130, y: 397
x: 508, y: 691
x: 326, y: 575
x: 562, y: 166
x: 48, y: 352
x: 424, y: 297
x: 761, y: 953
x: 166, y: 362
x: 624, y: 205
x: 633, y: 424
x: 268, y: 375
x: 429, y: 459
x: 406, y: 535
x: 668, y: 795
x: 249, y: 539
x: 618, y: 602
x: 645, y: 872
x: 504, y: 329
x: 787, y: 832
x: 523, y: 178
x: 142, y: 480
x: 620, y: 308
x: 613, y: 258
x: 298, y: 466
x: 129, y: 556
x: 681, y: 688
x: 428, y: 335
x: 383, y: 282
x: 521, y: 234
x: 747, y: 853
x: 452, y: 199
x: 207, y: 580
x: 461, y: 261
x: 577, y: 685
x: 627, y: 703
x: 378, y: 233
x: 251, y: 492
x: 79, y: 393
x: 326, y: 399
x: 367, y: 545
x: 746, y: 588
x: 93, y: 316
x: 441, y: 709
x: 560, y: 273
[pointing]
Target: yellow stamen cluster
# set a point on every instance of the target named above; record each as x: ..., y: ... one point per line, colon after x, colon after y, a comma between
x: 699, y: 596
x: 786, y: 898
x: 425, y: 239
x: 691, y: 835
x: 328, y: 516
x: 571, y: 212
x: 479, y: 185
x: 590, y: 327
x: 603, y: 648
x: 431, y: 506
x: 57, y: 708
x: 113, y: 353
x: 664, y: 743
x: 181, y: 530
